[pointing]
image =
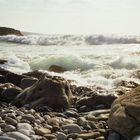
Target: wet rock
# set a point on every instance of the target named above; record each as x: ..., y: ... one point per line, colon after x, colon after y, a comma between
x: 3, y: 61
x: 2, y: 79
x: 125, y: 114
x: 9, y: 31
x: 36, y: 137
x: 72, y: 128
x: 52, y: 91
x: 17, y: 135
x: 50, y: 136
x: 56, y: 68
x: 27, y: 82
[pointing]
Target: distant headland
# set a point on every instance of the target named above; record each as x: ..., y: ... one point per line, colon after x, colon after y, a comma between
x: 10, y: 31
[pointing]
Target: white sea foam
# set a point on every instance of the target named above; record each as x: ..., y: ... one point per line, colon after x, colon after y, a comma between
x: 71, y: 39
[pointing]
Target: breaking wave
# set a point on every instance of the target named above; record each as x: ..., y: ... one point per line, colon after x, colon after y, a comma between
x: 70, y: 39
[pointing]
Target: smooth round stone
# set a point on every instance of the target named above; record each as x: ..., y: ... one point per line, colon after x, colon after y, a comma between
x: 61, y: 136
x: 89, y: 135
x: 114, y: 136
x: 18, y: 136
x: 36, y: 137
x: 6, y: 138
x: 79, y: 139
x: 26, y: 132
x: 82, y: 121
x: 72, y: 128
x: 42, y: 131
x: 9, y: 128
x: 29, y: 117
x: 24, y: 126
x: 11, y: 121
x: 50, y: 136
x: 136, y: 137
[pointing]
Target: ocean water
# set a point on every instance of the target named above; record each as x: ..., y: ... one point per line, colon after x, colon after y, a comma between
x: 89, y: 59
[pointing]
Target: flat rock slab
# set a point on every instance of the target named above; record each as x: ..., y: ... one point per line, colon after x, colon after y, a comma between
x: 125, y: 114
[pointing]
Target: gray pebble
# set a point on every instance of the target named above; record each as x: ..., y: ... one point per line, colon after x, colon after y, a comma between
x: 114, y: 136
x: 72, y: 128
x: 9, y: 128
x: 6, y: 138
x: 61, y: 136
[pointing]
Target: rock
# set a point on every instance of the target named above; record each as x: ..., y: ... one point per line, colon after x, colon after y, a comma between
x: 17, y: 135
x: 52, y: 91
x: 90, y: 135
x: 9, y: 94
x: 3, y: 61
x: 27, y: 82
x: 28, y: 117
x: 61, y: 136
x: 26, y: 132
x: 25, y: 126
x: 9, y: 128
x: 2, y: 79
x: 42, y: 131
x: 6, y: 138
x: 9, y: 31
x: 56, y: 68
x: 49, y: 136
x: 96, y: 100
x: 136, y: 138
x: 36, y: 137
x: 11, y: 121
x: 114, y: 136
x: 72, y: 128
x: 36, y: 74
x: 124, y: 117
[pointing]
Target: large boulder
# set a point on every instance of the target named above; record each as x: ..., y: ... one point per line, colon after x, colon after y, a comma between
x: 125, y: 114
x: 9, y: 31
x: 51, y: 91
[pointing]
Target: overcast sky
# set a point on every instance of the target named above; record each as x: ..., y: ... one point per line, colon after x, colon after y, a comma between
x: 72, y: 16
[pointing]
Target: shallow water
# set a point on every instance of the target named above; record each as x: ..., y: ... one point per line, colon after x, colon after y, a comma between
x: 104, y: 65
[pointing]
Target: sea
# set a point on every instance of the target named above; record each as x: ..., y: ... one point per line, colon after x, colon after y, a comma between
x: 89, y: 60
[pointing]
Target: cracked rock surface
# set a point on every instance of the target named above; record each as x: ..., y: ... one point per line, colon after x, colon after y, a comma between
x: 125, y: 114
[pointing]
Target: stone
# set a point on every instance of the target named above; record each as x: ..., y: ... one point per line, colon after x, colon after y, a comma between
x: 6, y: 138
x: 96, y: 100
x: 61, y: 136
x: 56, y: 68
x: 2, y: 61
x: 42, y: 131
x: 124, y: 117
x: 27, y: 82
x: 52, y: 91
x: 9, y: 94
x: 72, y: 128
x: 9, y: 31
x: 28, y: 117
x: 90, y: 135
x: 26, y: 132
x: 136, y: 138
x: 50, y: 136
x: 11, y: 121
x: 9, y: 128
x: 114, y: 136
x: 17, y: 135
x: 36, y: 137
x: 25, y: 126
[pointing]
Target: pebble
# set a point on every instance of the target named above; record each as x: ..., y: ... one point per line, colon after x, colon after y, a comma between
x: 114, y: 136
x: 36, y: 137
x: 11, y: 121
x: 136, y: 137
x: 29, y: 117
x: 72, y: 128
x: 89, y: 135
x: 61, y: 136
x: 9, y: 128
x: 50, y: 136
x: 6, y: 138
x: 42, y: 131
x: 17, y: 135
x: 24, y: 126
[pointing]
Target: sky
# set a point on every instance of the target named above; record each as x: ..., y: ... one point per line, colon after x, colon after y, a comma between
x: 72, y: 16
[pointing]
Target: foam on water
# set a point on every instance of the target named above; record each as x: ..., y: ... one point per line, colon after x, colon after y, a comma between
x: 71, y: 39
x: 104, y: 65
